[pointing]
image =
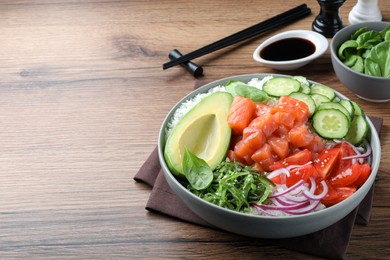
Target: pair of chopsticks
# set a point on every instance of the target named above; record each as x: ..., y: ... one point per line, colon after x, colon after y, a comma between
x: 278, y: 20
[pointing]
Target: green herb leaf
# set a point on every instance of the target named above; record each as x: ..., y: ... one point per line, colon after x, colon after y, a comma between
x: 238, y: 88
x: 378, y: 61
x: 387, y: 36
x: 351, y: 60
x: 197, y: 171
x: 356, y: 34
x: 347, y: 48
x: 368, y: 39
x: 359, y: 65
x: 385, y: 33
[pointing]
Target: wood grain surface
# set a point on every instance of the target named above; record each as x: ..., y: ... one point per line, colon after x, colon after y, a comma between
x: 82, y: 98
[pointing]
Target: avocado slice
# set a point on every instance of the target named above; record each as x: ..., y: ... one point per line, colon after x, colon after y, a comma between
x: 203, y: 130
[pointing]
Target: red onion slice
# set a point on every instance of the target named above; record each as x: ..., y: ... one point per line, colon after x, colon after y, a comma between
x: 290, y: 167
x: 311, y: 207
x: 360, y: 155
x: 284, y: 208
x: 295, y: 186
x: 277, y: 172
x: 320, y: 196
x: 265, y: 212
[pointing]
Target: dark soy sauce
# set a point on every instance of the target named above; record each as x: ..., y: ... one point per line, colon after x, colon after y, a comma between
x: 288, y: 49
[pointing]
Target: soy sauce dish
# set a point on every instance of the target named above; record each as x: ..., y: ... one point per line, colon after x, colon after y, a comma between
x: 291, y: 49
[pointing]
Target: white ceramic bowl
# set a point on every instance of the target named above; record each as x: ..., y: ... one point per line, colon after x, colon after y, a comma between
x: 370, y: 88
x: 256, y: 225
x: 320, y: 42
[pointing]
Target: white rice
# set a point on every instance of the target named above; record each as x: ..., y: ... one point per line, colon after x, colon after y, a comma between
x: 189, y: 104
x: 258, y: 83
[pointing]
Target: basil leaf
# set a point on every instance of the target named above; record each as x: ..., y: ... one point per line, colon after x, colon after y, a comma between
x: 238, y: 88
x: 196, y: 170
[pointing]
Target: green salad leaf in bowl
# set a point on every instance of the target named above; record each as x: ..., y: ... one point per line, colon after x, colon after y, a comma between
x: 368, y: 52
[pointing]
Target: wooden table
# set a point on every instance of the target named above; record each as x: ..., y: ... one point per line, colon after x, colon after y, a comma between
x: 82, y: 97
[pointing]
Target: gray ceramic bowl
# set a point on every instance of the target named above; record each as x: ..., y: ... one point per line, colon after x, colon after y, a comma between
x: 370, y: 88
x: 264, y: 226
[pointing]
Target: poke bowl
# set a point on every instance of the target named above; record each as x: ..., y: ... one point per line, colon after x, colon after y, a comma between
x: 195, y: 139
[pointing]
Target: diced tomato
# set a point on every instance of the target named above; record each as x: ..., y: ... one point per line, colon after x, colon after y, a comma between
x: 326, y: 161
x: 277, y: 179
x: 346, y: 150
x: 365, y: 171
x: 279, y: 146
x: 266, y: 123
x: 300, y: 136
x: 346, y: 177
x: 298, y: 158
x: 331, y: 197
x: 300, y: 173
x: 242, y: 111
x: 336, y: 195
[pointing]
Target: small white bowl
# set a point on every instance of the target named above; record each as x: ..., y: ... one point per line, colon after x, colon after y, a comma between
x: 319, y: 41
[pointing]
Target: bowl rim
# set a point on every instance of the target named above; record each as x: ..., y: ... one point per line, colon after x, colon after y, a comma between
x: 360, y: 192
x: 320, y: 42
x: 334, y: 48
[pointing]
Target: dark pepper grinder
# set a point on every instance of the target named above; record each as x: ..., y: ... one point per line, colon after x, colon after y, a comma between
x: 328, y: 22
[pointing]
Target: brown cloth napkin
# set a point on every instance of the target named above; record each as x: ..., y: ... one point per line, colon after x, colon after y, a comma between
x: 331, y: 242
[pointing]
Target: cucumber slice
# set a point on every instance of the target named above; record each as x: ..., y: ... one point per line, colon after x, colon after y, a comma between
x: 358, y: 131
x: 358, y: 109
x: 305, y: 89
x: 305, y: 84
x: 307, y: 99
x: 348, y: 106
x: 278, y: 87
x: 323, y: 90
x: 334, y: 105
x: 319, y: 99
x: 302, y: 80
x: 331, y: 123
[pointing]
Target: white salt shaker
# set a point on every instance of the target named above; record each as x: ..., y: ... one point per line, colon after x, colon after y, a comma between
x: 365, y: 11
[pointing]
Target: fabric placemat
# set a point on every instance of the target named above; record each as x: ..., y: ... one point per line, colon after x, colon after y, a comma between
x: 331, y: 242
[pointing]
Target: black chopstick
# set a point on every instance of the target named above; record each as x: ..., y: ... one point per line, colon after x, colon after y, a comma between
x: 278, y: 20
